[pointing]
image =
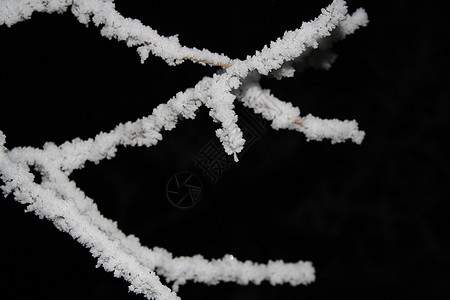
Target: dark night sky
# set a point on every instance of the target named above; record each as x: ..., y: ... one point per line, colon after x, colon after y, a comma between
x: 372, y: 218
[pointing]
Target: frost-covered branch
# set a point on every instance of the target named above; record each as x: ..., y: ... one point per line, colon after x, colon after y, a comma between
x: 217, y: 91
x: 58, y: 199
x: 284, y: 116
x: 102, y: 13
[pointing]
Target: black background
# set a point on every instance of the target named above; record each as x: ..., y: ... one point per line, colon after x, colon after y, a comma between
x: 372, y: 218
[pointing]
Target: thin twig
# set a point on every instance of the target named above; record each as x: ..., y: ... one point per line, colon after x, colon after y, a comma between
x: 201, y: 60
x: 207, y: 62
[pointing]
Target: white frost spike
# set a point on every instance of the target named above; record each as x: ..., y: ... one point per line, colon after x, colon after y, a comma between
x: 58, y: 198
x: 2, y: 139
x: 143, y: 52
x: 358, y: 19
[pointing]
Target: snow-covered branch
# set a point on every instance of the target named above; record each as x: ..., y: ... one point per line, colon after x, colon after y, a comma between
x: 58, y: 199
